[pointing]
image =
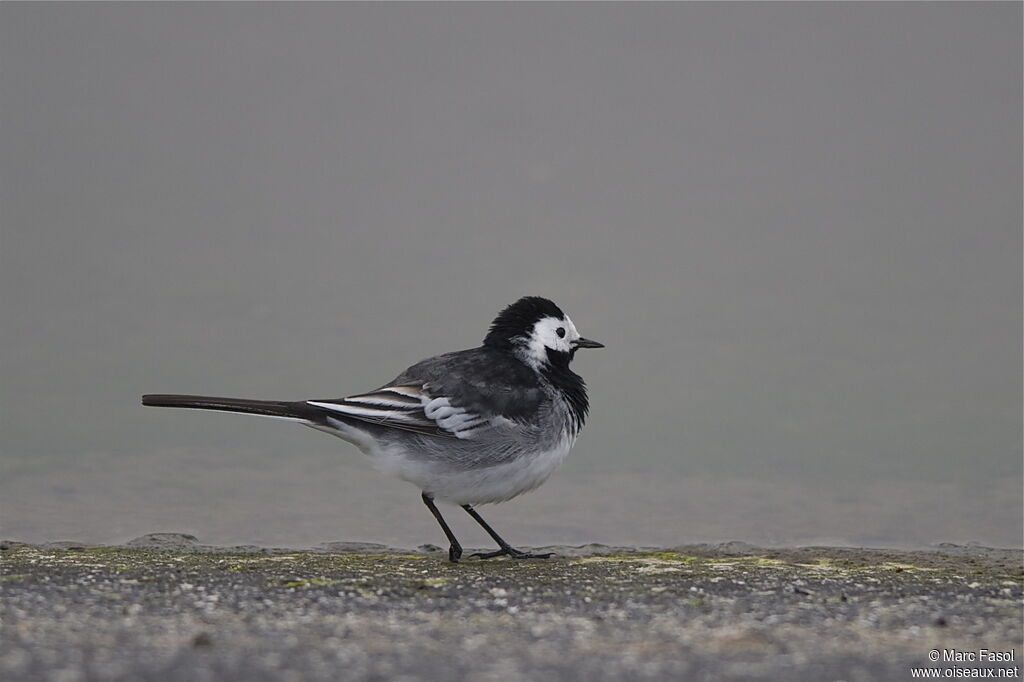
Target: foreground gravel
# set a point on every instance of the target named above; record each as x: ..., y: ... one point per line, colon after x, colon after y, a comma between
x: 167, y: 608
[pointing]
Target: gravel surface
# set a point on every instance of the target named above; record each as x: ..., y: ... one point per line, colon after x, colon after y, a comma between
x: 167, y: 608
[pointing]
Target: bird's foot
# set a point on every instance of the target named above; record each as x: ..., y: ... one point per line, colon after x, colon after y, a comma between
x: 454, y: 554
x: 511, y: 552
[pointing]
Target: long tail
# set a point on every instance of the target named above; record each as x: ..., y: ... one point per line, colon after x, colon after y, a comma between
x: 265, y: 408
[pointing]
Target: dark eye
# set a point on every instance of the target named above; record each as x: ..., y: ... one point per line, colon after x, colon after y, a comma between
x: 561, y: 332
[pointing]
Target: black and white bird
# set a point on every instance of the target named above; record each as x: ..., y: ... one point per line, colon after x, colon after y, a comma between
x: 471, y: 427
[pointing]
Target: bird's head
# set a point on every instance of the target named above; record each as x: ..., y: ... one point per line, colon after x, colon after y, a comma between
x: 538, y: 332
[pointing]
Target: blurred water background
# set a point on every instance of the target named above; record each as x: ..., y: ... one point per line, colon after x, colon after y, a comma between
x: 796, y: 227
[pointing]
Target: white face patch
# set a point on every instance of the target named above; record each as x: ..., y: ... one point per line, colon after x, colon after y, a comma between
x: 545, y: 335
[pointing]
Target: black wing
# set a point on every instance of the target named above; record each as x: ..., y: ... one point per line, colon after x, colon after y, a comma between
x: 456, y: 395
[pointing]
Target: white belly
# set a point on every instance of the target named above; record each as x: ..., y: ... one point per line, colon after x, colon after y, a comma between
x: 484, y: 485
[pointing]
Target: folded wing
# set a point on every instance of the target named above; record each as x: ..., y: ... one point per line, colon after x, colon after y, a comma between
x: 411, y: 407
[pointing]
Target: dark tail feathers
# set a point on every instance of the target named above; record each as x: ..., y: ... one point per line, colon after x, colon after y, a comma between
x: 265, y: 408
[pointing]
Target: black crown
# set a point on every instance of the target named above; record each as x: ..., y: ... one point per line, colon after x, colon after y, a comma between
x: 517, y: 320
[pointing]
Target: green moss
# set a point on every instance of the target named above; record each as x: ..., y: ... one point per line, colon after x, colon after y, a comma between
x: 900, y: 566
x: 15, y: 576
x: 639, y: 557
x: 318, y: 581
x: 672, y: 556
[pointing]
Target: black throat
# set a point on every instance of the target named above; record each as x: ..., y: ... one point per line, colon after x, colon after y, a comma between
x: 569, y: 383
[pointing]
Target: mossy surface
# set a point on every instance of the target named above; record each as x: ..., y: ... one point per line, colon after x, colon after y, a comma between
x: 192, y: 612
x: 22, y: 562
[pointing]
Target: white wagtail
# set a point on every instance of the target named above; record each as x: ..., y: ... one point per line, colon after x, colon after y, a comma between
x: 472, y: 427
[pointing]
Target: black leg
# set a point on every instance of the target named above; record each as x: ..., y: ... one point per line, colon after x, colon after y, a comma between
x: 505, y: 547
x: 455, y: 550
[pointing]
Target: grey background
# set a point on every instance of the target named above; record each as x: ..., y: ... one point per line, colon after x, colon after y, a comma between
x: 797, y: 227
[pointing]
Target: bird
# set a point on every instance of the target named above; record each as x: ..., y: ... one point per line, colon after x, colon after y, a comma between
x: 470, y: 427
